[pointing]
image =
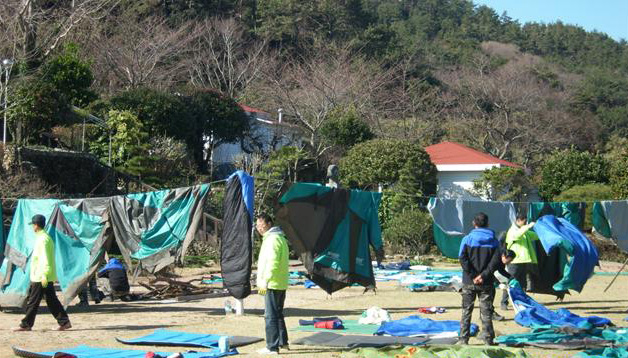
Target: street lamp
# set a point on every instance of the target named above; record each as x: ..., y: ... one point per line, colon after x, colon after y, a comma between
x: 7, y: 64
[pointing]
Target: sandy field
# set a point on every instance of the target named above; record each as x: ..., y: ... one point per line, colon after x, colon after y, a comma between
x: 100, y: 324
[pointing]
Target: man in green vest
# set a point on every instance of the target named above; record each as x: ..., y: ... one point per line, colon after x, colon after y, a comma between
x: 43, y: 277
x: 521, y: 240
x: 272, y: 281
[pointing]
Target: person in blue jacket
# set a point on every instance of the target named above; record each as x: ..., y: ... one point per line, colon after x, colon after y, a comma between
x: 477, y: 253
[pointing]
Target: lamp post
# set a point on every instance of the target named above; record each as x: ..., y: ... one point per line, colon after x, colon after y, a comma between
x: 7, y: 64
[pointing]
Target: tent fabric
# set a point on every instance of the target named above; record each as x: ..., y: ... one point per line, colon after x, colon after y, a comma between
x: 554, y: 338
x: 164, y: 337
x: 438, y: 352
x: 533, y: 314
x: 94, y: 352
x: 157, y: 227
x: 572, y: 212
x: 416, y: 325
x: 328, y: 339
x: 453, y: 220
x: 332, y: 229
x: 153, y: 227
x: 2, y: 241
x: 236, y: 246
x: 559, y: 234
x: 609, y: 220
x: 618, y: 352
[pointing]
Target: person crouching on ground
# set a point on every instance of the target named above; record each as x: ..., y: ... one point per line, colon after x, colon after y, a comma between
x: 43, y: 277
x: 476, y: 255
x: 272, y: 281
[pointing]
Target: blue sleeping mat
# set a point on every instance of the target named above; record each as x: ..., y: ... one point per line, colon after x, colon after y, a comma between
x: 93, y: 352
x: 416, y: 325
x: 164, y: 337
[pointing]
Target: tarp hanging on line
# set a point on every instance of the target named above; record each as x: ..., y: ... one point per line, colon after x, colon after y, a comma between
x: 453, y: 219
x: 610, y: 219
x: 2, y: 240
x: 572, y: 212
x: 236, y: 247
x: 332, y: 230
x: 154, y: 228
x: 559, y: 234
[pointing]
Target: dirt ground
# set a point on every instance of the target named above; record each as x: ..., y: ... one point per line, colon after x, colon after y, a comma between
x: 100, y: 324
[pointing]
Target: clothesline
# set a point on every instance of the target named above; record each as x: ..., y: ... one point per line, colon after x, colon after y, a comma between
x: 418, y: 196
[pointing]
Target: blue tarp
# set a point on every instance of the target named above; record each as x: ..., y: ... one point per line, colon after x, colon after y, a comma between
x: 533, y: 314
x: 559, y: 234
x: 248, y: 190
x: 416, y: 325
x: 94, y: 352
x: 166, y: 337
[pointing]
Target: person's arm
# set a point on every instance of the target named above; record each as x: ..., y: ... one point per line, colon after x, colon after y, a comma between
x: 465, y: 261
x: 518, y: 233
x: 47, y: 257
x: 496, y: 265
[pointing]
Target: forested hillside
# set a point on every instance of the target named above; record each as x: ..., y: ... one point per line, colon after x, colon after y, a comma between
x: 167, y: 74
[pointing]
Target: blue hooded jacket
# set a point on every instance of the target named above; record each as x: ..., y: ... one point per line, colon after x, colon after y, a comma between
x: 477, y: 250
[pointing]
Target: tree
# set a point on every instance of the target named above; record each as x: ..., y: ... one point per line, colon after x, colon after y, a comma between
x: 617, y: 156
x: 309, y: 91
x: 142, y: 53
x: 129, y: 149
x: 401, y: 164
x: 510, y: 114
x: 587, y: 193
x: 345, y: 129
x: 225, y: 59
x: 71, y: 76
x: 503, y: 184
x: 37, y: 106
x: 409, y: 233
x: 170, y: 162
x: 567, y: 168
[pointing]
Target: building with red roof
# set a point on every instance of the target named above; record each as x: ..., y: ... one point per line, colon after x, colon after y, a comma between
x: 458, y: 166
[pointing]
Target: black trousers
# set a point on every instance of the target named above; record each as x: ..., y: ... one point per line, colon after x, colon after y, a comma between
x: 486, y: 294
x: 93, y: 291
x: 35, y: 294
x: 276, y: 332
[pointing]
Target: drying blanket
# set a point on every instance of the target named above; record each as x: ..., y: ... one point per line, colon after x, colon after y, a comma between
x: 332, y: 230
x: 559, y: 234
x: 561, y: 338
x: 418, y: 326
x: 531, y: 313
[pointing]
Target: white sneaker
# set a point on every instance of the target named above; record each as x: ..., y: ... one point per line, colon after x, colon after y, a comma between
x: 266, y: 352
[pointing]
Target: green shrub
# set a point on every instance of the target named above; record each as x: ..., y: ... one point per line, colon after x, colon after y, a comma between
x: 409, y: 233
x: 588, y: 193
x: 565, y: 169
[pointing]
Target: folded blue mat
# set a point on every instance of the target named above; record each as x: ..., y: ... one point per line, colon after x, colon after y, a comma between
x: 535, y: 314
x: 415, y: 325
x: 93, y: 352
x: 164, y: 337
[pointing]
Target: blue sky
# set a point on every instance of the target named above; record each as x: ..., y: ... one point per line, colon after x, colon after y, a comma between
x: 609, y: 16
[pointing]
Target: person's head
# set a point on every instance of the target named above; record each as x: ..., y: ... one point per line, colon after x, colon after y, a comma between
x: 480, y: 220
x: 38, y: 222
x: 264, y: 223
x: 521, y: 219
x: 508, y: 256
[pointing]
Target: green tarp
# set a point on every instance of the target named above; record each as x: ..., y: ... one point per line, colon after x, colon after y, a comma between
x: 620, y: 352
x: 449, y: 245
x: 351, y: 327
x: 572, y: 212
x: 438, y: 352
x: 1, y: 235
x: 600, y: 222
x: 154, y: 228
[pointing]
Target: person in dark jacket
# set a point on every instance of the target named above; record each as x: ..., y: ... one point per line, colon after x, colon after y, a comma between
x: 477, y: 257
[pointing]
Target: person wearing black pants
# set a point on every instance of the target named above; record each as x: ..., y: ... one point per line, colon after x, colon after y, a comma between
x: 35, y: 294
x: 43, y: 276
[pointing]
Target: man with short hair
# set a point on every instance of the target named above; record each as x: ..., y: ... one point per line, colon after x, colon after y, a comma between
x: 272, y: 281
x: 43, y: 277
x: 477, y: 253
x: 521, y: 240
